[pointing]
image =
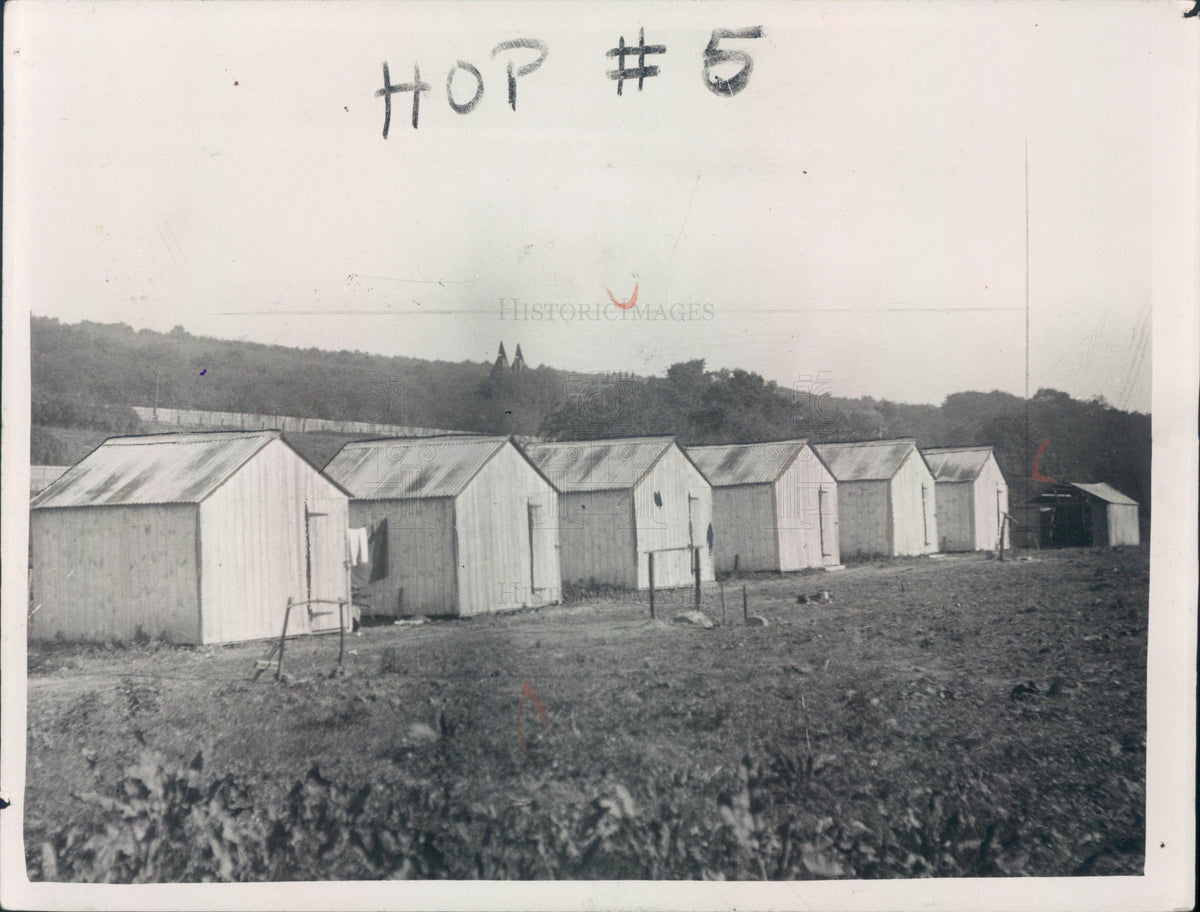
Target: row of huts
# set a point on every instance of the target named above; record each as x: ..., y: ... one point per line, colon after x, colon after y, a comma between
x: 206, y: 537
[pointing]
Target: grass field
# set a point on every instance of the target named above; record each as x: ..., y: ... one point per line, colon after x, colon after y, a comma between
x: 947, y: 716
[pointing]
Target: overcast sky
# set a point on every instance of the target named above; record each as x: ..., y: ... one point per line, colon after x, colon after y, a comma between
x: 857, y: 211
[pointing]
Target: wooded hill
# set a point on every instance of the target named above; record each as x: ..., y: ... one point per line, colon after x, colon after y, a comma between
x: 85, y: 376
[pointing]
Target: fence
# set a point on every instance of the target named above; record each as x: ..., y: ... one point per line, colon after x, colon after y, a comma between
x: 253, y: 422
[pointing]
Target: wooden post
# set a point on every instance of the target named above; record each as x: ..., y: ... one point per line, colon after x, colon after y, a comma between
x: 723, y: 619
x: 745, y: 609
x: 341, y: 632
x: 696, y: 556
x: 349, y: 589
x: 650, y: 557
x: 287, y: 613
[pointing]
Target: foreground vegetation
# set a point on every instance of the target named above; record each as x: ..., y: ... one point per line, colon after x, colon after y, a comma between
x: 935, y: 717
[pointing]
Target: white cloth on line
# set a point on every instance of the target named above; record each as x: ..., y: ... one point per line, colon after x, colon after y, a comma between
x: 359, y: 546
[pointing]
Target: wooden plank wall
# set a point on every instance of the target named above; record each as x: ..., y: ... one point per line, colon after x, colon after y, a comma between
x: 420, y: 556
x: 673, y: 478
x: 799, y: 505
x: 991, y: 497
x: 744, y: 528
x: 956, y: 520
x: 864, y: 512
x: 596, y: 534
x: 496, y: 560
x: 106, y: 573
x: 252, y: 539
x: 914, y: 518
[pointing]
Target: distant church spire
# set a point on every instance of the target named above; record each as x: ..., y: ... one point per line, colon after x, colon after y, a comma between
x: 501, y: 361
x: 518, y: 362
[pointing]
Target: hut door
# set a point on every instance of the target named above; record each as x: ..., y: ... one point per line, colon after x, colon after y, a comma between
x: 691, y: 527
x: 1002, y: 527
x: 534, y: 519
x: 1047, y: 527
x: 695, y: 535
x: 324, y: 563
x: 925, y: 511
x: 821, y: 521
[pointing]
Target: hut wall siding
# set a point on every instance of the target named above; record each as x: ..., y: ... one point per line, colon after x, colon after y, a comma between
x: 548, y: 578
x: 101, y: 573
x: 863, y: 516
x: 1123, y: 524
x: 956, y: 512
x: 596, y: 535
x: 673, y: 478
x: 743, y: 528
x: 420, y: 556
x: 991, y: 498
x: 496, y: 560
x: 252, y: 544
x: 798, y: 515
x: 914, y: 516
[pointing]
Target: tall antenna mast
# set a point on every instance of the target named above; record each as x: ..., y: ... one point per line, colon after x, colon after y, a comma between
x: 1028, y: 471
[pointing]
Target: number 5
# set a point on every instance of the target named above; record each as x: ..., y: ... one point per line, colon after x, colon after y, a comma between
x: 712, y: 56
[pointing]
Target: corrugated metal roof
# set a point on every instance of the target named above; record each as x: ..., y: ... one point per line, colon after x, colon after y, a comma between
x: 956, y: 463
x: 42, y: 476
x: 868, y: 460
x: 745, y: 463
x: 1106, y: 492
x: 598, y: 465
x: 408, y: 468
x: 154, y: 469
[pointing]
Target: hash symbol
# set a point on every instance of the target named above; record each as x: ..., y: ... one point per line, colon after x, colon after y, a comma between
x: 641, y: 71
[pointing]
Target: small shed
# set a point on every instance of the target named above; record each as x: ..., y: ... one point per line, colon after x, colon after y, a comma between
x: 193, y: 538
x: 623, y: 499
x: 774, y: 505
x: 972, y: 497
x: 886, y: 497
x: 469, y: 522
x: 1082, y: 515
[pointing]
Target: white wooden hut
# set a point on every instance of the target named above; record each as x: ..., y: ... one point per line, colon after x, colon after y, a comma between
x: 774, y: 505
x: 470, y: 524
x: 193, y: 538
x: 972, y: 497
x: 621, y: 500
x: 886, y: 497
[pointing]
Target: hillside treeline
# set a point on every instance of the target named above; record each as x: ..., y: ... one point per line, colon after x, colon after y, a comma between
x: 86, y: 375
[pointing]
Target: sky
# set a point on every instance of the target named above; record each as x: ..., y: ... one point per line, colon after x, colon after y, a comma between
x: 857, y: 211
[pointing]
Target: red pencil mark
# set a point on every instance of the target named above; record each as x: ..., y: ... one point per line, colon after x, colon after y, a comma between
x: 624, y: 305
x: 528, y: 693
x: 1038, y: 476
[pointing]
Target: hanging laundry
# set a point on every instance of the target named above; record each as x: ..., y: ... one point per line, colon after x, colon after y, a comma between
x: 378, y: 535
x: 359, y: 543
x: 373, y: 566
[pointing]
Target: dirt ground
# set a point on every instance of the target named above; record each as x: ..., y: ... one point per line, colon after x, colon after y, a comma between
x: 944, y: 716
